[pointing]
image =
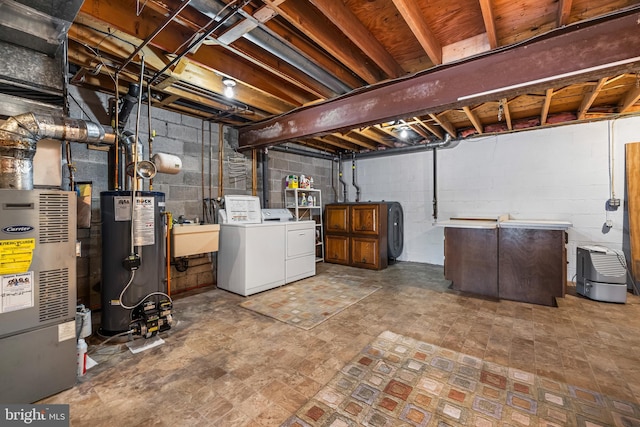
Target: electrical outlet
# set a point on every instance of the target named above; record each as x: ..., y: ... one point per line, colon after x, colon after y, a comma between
x: 614, y: 203
x: 608, y: 223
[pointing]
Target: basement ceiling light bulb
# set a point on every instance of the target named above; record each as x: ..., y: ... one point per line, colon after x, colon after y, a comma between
x: 229, y: 85
x: 403, y: 133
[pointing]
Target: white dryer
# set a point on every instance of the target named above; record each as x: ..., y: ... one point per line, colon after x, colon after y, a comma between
x: 256, y: 255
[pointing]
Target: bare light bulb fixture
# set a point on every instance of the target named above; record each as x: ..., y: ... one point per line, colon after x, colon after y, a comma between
x: 404, y: 133
x: 229, y: 84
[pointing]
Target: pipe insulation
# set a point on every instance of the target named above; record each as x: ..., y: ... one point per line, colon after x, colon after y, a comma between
x: 19, y: 136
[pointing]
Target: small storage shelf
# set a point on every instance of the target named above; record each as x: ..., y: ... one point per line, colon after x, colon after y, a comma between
x: 297, y: 201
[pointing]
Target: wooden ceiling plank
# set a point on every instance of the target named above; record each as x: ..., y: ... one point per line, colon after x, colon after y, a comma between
x: 489, y: 22
x: 441, y: 119
x: 410, y: 11
x: 564, y: 12
x: 507, y: 113
x: 544, y: 114
x: 534, y: 65
x: 310, y: 22
x: 629, y: 99
x: 352, y: 27
x: 475, y: 121
x: 590, y: 97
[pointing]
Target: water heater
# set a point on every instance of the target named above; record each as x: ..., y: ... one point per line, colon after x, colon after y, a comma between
x: 149, y: 237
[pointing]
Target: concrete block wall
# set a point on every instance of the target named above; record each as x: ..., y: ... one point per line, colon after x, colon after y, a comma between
x: 282, y: 164
x: 557, y: 173
x: 176, y: 134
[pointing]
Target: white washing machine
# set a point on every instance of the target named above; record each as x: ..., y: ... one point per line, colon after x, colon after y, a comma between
x: 256, y: 255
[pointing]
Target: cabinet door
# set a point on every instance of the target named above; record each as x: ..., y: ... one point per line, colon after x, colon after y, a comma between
x: 365, y: 252
x: 337, y: 218
x: 365, y: 219
x: 337, y: 250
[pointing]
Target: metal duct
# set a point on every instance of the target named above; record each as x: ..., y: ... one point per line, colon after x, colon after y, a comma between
x: 20, y: 134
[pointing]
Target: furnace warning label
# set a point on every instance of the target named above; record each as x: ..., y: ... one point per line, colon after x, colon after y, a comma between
x: 17, y: 292
x: 16, y: 255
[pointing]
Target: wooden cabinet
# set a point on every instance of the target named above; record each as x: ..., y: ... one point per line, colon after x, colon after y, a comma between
x: 470, y: 260
x: 532, y: 265
x: 356, y: 234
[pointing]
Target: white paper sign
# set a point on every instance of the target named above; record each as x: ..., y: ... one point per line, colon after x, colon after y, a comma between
x: 17, y: 291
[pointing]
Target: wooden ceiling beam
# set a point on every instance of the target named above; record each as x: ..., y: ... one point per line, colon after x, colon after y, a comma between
x: 374, y: 136
x: 475, y: 121
x: 311, y: 22
x: 564, y: 12
x: 277, y: 82
x: 531, y: 66
x: 507, y: 113
x: 358, y: 140
x: 489, y: 22
x: 322, y: 146
x: 428, y: 126
x: 352, y: 27
x: 544, y: 113
x: 410, y: 11
x: 338, y: 141
x: 630, y: 98
x: 332, y: 141
x: 444, y: 123
x: 590, y: 97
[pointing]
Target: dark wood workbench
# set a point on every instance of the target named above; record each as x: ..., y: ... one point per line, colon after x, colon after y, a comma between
x: 516, y: 260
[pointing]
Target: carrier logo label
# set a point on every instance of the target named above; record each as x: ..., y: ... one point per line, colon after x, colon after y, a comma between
x: 17, y: 229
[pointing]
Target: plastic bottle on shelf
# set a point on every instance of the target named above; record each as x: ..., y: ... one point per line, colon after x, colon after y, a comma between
x: 310, y: 200
x: 303, y: 202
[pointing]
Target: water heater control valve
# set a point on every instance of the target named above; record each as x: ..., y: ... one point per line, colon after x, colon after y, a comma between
x: 151, y: 318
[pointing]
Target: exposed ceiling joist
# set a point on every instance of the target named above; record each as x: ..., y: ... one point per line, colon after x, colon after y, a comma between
x: 564, y: 12
x: 353, y: 28
x: 412, y: 14
x: 544, y: 114
x: 489, y: 22
x: 589, y: 97
x: 599, y: 48
x: 475, y: 121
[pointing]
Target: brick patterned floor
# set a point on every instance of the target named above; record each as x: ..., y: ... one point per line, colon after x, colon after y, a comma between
x: 223, y: 365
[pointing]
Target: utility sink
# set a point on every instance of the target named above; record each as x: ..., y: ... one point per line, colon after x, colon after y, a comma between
x: 194, y: 239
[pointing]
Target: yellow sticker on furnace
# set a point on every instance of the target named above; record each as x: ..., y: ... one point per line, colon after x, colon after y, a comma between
x: 16, y: 255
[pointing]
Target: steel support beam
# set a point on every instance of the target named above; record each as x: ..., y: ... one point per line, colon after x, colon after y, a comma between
x: 567, y: 55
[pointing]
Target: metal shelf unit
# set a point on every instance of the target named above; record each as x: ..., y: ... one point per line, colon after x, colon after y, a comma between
x: 296, y: 200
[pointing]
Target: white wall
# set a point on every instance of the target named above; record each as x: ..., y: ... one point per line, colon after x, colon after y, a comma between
x: 557, y: 173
